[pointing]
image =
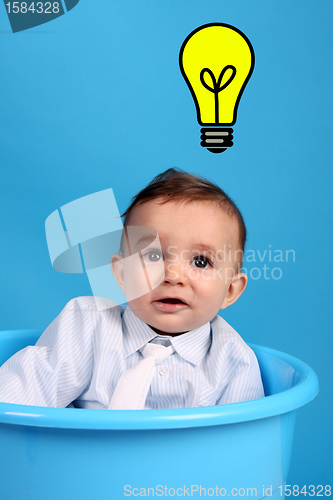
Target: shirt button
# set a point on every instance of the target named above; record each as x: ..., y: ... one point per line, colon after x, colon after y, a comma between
x: 164, y: 372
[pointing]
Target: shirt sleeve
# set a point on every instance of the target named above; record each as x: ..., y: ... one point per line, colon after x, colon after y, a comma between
x: 242, y: 374
x: 58, y: 368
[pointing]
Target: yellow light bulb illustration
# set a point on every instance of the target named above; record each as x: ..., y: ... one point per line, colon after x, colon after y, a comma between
x: 216, y: 61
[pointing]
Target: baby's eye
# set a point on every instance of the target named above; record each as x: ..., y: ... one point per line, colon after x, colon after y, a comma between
x: 201, y: 261
x: 153, y: 255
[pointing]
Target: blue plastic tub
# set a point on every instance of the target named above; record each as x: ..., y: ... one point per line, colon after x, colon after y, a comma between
x: 236, y: 450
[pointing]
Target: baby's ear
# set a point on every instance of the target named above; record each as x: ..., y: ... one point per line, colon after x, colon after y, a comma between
x: 236, y: 288
x: 117, y: 268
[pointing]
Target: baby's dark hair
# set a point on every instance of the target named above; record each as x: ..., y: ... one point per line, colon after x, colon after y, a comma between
x: 178, y: 185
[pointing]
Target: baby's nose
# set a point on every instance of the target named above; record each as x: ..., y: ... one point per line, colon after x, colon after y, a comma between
x: 175, y: 272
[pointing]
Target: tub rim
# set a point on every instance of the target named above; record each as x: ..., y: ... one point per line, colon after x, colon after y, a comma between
x: 300, y: 394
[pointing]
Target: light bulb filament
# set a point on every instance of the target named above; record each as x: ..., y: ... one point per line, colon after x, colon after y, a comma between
x: 217, y: 85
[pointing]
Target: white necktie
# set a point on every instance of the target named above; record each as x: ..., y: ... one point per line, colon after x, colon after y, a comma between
x: 133, y: 386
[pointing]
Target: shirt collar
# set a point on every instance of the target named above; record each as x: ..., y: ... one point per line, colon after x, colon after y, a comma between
x: 136, y: 332
x: 192, y: 346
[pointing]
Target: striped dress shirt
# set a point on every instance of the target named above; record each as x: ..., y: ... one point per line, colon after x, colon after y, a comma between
x: 80, y: 357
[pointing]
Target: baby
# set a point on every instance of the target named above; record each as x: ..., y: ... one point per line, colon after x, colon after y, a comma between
x: 192, y: 249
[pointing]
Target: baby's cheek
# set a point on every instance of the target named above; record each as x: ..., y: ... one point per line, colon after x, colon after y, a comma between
x: 213, y: 287
x: 135, y: 277
x: 206, y: 284
x: 214, y: 277
x: 197, y: 274
x: 224, y: 275
x: 155, y: 273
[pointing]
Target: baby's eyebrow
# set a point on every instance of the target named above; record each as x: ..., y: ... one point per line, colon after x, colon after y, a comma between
x: 202, y: 246
x: 145, y: 241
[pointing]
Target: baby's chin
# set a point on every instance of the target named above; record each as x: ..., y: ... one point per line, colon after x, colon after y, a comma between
x: 172, y: 328
x: 163, y: 327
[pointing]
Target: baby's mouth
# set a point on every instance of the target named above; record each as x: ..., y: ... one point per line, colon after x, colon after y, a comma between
x: 169, y: 303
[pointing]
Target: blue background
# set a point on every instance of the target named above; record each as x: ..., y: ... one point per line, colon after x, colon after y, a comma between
x: 95, y: 99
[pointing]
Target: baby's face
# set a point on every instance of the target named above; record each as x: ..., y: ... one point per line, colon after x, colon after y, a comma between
x: 197, y: 244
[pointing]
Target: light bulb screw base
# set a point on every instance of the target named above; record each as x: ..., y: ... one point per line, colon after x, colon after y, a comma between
x: 216, y: 140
